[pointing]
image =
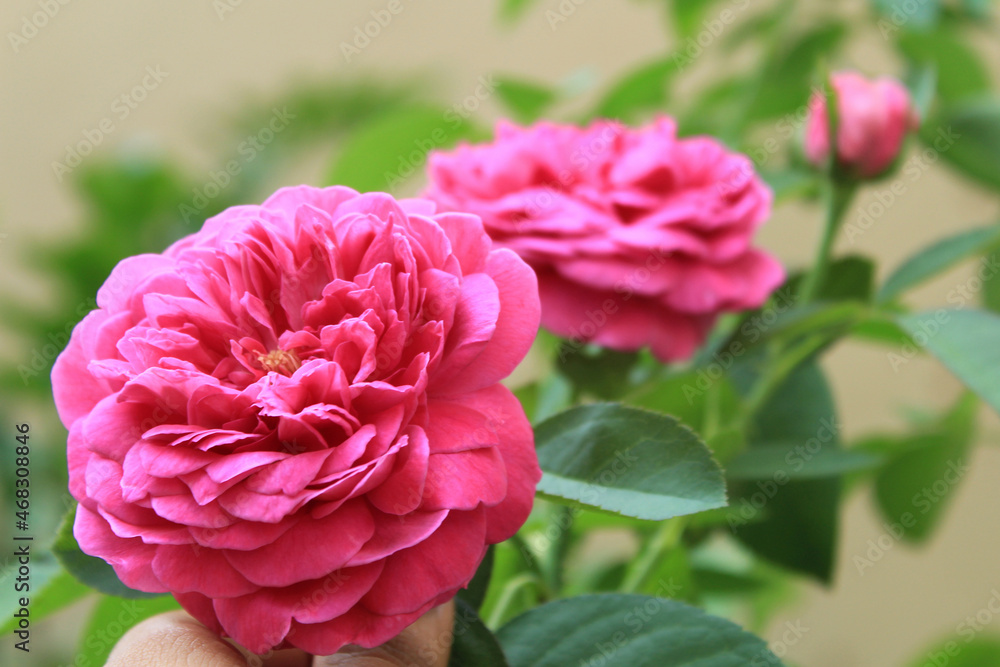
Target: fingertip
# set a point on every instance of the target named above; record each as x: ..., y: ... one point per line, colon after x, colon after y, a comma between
x: 173, y: 638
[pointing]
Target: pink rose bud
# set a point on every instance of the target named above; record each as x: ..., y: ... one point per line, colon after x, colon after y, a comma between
x: 873, y: 119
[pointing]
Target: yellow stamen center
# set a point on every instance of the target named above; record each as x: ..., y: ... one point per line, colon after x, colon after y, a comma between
x: 285, y: 362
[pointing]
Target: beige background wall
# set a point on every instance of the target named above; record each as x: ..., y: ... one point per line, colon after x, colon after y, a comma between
x: 66, y: 77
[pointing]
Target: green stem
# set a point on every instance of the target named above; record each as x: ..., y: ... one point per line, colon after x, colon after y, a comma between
x: 534, y: 567
x: 712, y: 420
x: 782, y: 360
x: 776, y: 374
x: 562, y: 522
x: 838, y: 199
x: 512, y: 588
x: 666, y: 538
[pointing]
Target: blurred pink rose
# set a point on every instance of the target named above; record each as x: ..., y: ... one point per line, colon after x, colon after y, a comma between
x: 874, y: 118
x: 638, y: 238
x: 291, y: 420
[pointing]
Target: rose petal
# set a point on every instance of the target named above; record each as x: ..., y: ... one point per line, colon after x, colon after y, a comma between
x: 316, y: 547
x: 447, y: 559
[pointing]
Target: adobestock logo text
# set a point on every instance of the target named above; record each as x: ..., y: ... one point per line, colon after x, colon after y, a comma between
x: 30, y: 25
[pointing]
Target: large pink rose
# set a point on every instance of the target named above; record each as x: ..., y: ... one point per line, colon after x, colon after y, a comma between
x: 873, y: 119
x: 638, y: 238
x: 292, y: 420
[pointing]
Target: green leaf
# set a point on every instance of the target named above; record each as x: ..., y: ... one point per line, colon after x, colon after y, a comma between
x: 962, y: 650
x: 526, y: 100
x: 545, y: 398
x: 779, y: 319
x: 965, y: 341
x: 717, y: 110
x: 640, y: 91
x: 978, y: 9
x: 696, y: 397
x: 796, y: 411
x: 112, y: 617
x: 851, y: 277
x: 848, y: 278
x: 628, y: 631
x: 475, y: 592
x: 921, y: 81
x: 812, y: 318
x: 628, y: 461
x: 392, y: 147
x: 786, y: 84
x: 512, y: 10
x: 473, y: 645
x: 727, y: 443
x: 720, y: 582
x: 327, y: 106
x: 689, y: 15
x: 989, y: 296
x: 799, y: 529
x: 960, y: 72
x: 127, y: 191
x: 937, y: 257
x: 89, y: 570
x: 555, y: 393
x: 968, y: 138
x: 799, y: 525
x: 880, y: 328
x: 921, y: 15
x: 596, y: 371
x: 681, y: 396
x: 759, y: 25
x: 914, y: 487
x: 798, y: 461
